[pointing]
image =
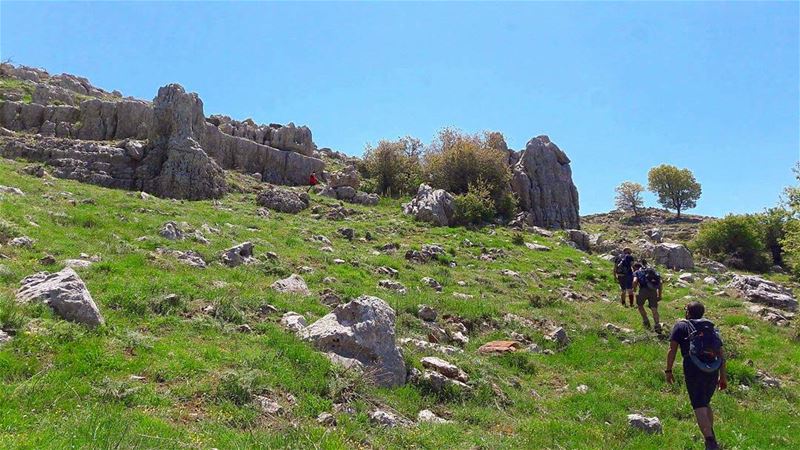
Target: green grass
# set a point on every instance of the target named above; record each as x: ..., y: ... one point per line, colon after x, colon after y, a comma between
x: 22, y: 87
x: 64, y: 386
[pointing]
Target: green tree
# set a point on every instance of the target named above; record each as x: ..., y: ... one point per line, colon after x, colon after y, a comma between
x: 676, y: 188
x: 773, y: 223
x: 393, y: 166
x: 790, y: 242
x: 629, y: 197
x: 737, y: 240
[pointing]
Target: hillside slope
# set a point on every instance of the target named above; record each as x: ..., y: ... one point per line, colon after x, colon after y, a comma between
x: 174, y: 367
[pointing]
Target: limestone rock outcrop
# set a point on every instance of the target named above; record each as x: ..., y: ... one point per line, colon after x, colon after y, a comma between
x: 671, y: 255
x: 542, y: 180
x: 431, y: 205
x: 283, y: 200
x: 362, y: 330
x: 65, y: 293
x: 759, y: 290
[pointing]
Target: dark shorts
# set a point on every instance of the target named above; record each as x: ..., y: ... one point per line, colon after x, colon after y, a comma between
x: 651, y: 295
x: 700, y: 385
x: 625, y: 281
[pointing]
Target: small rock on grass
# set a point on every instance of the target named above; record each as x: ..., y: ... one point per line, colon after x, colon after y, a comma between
x: 647, y: 424
x: 428, y: 416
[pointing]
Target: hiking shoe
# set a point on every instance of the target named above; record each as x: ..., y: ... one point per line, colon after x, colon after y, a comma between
x: 658, y: 328
x: 646, y: 324
x: 711, y: 444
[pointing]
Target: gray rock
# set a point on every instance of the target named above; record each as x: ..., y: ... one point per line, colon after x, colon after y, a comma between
x: 426, y: 313
x: 686, y: 277
x: 445, y: 368
x: 65, y: 293
x: 440, y: 383
x: 424, y: 346
x: 559, y: 336
x: 189, y: 257
x: 392, y: 286
x: 294, y: 321
x: 431, y: 205
x: 345, y: 193
x: 542, y: 180
x: 171, y: 231
x: 239, y: 254
x: 580, y: 239
x: 4, y: 338
x: 77, y: 263
x: 346, y: 177
x: 427, y: 416
x: 388, y: 419
x: 21, y: 241
x: 283, y: 200
x: 759, y: 290
x: 710, y: 280
x: 537, y: 247
x: 673, y: 256
x: 294, y: 284
x: 430, y: 282
x: 364, y: 330
x: 647, y: 424
x: 10, y: 190
x: 347, y: 233
x: 655, y: 235
x: 269, y: 406
x: 326, y: 419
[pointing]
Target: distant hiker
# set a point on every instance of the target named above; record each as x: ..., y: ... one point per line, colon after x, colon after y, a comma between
x: 312, y: 180
x: 623, y: 272
x: 703, y: 365
x: 649, y: 283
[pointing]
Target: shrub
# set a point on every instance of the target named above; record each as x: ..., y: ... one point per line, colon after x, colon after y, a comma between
x: 393, y: 168
x: 474, y: 207
x: 629, y: 197
x: 736, y: 240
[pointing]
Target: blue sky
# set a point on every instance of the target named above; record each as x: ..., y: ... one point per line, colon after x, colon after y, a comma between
x: 620, y: 87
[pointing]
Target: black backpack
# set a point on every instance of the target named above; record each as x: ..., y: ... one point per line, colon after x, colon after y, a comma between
x: 651, y: 278
x: 619, y: 268
x: 705, y: 345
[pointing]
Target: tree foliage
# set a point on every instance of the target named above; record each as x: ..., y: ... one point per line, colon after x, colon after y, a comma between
x: 676, y: 188
x: 736, y: 240
x: 394, y: 167
x: 629, y: 197
x: 790, y: 242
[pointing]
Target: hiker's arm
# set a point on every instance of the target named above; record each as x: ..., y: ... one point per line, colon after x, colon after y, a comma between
x: 659, y: 291
x: 673, y: 350
x: 723, y: 371
x: 635, y: 282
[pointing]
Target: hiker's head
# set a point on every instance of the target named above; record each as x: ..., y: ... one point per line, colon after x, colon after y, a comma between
x: 644, y: 262
x: 627, y: 250
x: 637, y: 266
x: 695, y: 310
x: 313, y: 172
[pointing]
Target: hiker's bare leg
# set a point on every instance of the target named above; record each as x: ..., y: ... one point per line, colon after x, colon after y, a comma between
x: 711, y: 418
x: 644, y: 314
x: 703, y: 416
x: 655, y: 317
x: 630, y: 297
x: 622, y: 297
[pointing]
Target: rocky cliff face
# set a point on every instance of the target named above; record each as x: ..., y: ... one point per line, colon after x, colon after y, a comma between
x: 181, y: 155
x: 542, y: 180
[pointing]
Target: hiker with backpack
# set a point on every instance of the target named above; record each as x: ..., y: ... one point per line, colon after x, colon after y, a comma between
x: 703, y: 365
x: 623, y: 273
x: 648, y: 281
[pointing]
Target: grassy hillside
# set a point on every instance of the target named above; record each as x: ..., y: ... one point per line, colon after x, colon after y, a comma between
x: 178, y: 372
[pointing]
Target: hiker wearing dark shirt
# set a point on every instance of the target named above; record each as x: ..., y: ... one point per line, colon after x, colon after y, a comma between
x: 648, y: 283
x: 702, y: 373
x: 623, y: 273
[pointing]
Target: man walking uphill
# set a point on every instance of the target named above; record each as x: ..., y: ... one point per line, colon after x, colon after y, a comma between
x: 623, y: 273
x: 648, y: 281
x: 703, y: 365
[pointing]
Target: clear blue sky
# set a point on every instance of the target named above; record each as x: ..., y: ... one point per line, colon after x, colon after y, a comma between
x: 620, y: 87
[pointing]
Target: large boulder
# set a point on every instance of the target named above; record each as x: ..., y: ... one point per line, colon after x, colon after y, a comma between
x: 759, y: 290
x: 673, y: 256
x: 362, y: 330
x: 283, y: 200
x: 65, y: 293
x: 346, y: 177
x: 542, y: 180
x: 431, y: 205
x: 175, y: 165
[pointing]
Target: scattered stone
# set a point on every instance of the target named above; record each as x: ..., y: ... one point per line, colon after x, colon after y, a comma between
x: 65, y: 293
x: 426, y: 313
x: 293, y: 321
x: 672, y: 256
x: 510, y: 273
x: 686, y: 277
x: 383, y: 270
x: 459, y: 338
x: 329, y: 280
x: 10, y: 190
x: 272, y: 256
x: 239, y: 254
x: 46, y: 260
x: 759, y: 290
x: 616, y: 329
x: 326, y: 419
x: 774, y: 316
x: 294, y: 284
x: 364, y: 330
x: 439, y: 382
x: 21, y: 241
x: 714, y: 266
x: 430, y: 205
x: 244, y: 328
x: 4, y: 337
x: 347, y: 233
x: 283, y: 200
x: 189, y: 257
x: 388, y: 419
x: 423, y: 346
x: 580, y: 238
x: 498, y: 347
x: 582, y: 389
x: 430, y: 282
x: 766, y: 380
x: 649, y: 425
x: 305, y: 269
x: 329, y: 298
x: 171, y: 231
x: 537, y: 247
x: 390, y: 248
x: 445, y: 368
x: 322, y: 239
x: 427, y: 416
x: 269, y: 406
x: 710, y: 280
x: 559, y: 336
x: 392, y: 286
x: 461, y: 296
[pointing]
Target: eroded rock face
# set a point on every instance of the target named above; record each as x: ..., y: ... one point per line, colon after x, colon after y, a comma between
x: 542, y: 180
x: 759, y: 290
x: 673, y: 256
x: 65, y: 293
x: 431, y: 205
x: 364, y: 330
x: 283, y: 200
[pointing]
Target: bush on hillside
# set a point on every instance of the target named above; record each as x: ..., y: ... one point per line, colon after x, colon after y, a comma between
x: 476, y: 206
x: 790, y: 242
x: 392, y: 168
x: 736, y: 241
x: 456, y: 160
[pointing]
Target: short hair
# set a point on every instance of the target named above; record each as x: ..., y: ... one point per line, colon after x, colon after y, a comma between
x: 637, y: 266
x: 695, y: 310
x: 627, y: 250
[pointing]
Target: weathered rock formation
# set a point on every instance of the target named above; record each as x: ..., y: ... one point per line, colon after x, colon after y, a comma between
x: 431, y: 205
x: 362, y: 330
x: 283, y: 200
x: 670, y: 255
x: 759, y: 290
x: 65, y: 293
x: 542, y: 180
